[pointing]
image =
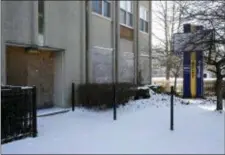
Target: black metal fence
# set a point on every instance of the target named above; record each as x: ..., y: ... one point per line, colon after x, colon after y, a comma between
x: 18, y: 112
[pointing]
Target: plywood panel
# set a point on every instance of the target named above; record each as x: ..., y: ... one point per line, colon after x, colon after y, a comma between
x: 29, y: 69
x: 126, y: 33
x: 41, y: 74
x: 16, y: 66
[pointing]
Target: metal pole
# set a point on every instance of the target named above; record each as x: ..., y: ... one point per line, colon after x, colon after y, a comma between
x: 135, y: 42
x: 87, y: 40
x: 114, y: 101
x: 171, y: 109
x: 34, y: 111
x: 116, y: 46
x: 73, y: 96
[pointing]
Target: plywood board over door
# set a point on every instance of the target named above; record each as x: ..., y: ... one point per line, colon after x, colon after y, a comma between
x: 16, y: 66
x: 41, y: 74
x: 28, y: 69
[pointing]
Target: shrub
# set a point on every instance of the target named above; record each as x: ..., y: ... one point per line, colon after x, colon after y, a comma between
x: 142, y: 94
x: 157, y: 89
x: 101, y: 96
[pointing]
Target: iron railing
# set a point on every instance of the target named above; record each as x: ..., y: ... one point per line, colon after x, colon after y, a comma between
x: 18, y: 112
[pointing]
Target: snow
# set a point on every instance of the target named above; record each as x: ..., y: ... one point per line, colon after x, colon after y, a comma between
x: 143, y: 87
x: 26, y: 87
x: 155, y: 79
x: 142, y: 127
x: 23, y: 87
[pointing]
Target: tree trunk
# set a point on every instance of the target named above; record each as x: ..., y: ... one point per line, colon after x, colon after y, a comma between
x: 175, y: 83
x: 167, y: 72
x: 219, y: 92
x: 167, y: 43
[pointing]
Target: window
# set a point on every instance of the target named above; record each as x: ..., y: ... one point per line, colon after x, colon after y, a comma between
x: 129, y: 6
x: 40, y: 17
x: 126, y: 16
x: 97, y: 6
x: 143, y: 19
x: 123, y: 5
x: 129, y: 19
x: 106, y: 8
x: 102, y: 7
x: 122, y: 16
x: 41, y: 22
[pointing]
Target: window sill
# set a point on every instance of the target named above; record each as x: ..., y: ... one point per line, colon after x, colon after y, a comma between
x: 144, y: 55
x: 101, y: 16
x: 126, y: 26
x: 144, y: 32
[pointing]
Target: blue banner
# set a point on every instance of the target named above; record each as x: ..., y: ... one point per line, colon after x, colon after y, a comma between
x: 186, y: 74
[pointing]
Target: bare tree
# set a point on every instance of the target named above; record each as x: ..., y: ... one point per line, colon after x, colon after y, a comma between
x: 176, y: 68
x: 211, y: 14
x: 169, y: 19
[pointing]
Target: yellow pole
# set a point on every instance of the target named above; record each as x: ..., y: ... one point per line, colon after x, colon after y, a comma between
x: 193, y: 74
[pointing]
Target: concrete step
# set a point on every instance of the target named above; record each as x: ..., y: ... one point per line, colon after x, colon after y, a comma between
x: 51, y: 111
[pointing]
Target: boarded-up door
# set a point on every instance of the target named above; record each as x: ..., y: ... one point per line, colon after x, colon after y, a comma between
x: 41, y: 74
x: 32, y: 69
x: 16, y: 66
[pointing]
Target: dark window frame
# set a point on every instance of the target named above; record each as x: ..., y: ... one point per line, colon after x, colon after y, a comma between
x: 99, y: 7
x: 144, y: 23
x: 128, y: 16
x: 41, y: 16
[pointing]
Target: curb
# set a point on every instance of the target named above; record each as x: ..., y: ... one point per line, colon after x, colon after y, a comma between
x: 53, y: 113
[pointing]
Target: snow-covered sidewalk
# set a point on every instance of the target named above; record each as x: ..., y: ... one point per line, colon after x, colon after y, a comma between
x: 142, y: 127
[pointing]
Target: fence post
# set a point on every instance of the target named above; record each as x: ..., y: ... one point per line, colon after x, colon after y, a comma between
x: 73, y: 96
x: 114, y: 101
x: 171, y: 108
x: 34, y: 111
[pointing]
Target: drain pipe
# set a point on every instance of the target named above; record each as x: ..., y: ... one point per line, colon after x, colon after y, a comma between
x: 83, y: 42
x: 88, y: 14
x: 113, y: 34
x: 136, y: 41
x: 117, y: 40
x: 86, y: 40
x: 150, y: 41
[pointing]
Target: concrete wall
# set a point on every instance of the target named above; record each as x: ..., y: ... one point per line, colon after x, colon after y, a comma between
x: 102, y: 65
x: 144, y: 37
x: 144, y: 58
x: 17, y: 20
x: 126, y: 64
x: 102, y: 35
x: 144, y: 67
x: 101, y: 31
x: 63, y: 29
x: 17, y: 26
x: 101, y: 45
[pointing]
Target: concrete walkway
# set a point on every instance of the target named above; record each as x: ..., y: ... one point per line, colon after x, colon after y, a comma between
x: 51, y: 111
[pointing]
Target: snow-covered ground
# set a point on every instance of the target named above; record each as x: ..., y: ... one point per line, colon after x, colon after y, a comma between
x: 142, y: 127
